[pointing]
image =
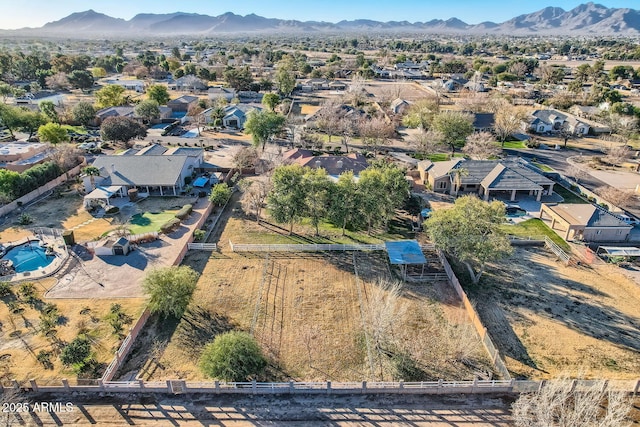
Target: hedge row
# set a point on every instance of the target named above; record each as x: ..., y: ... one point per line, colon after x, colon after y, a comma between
x: 184, y: 212
x: 170, y: 225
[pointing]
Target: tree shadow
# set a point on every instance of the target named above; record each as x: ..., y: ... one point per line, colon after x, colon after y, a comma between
x: 198, y: 327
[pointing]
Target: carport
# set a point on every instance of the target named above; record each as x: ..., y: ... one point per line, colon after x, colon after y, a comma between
x: 618, y: 251
x: 102, y: 194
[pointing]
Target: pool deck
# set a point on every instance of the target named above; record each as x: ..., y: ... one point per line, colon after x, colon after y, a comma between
x: 121, y: 276
x: 40, y: 273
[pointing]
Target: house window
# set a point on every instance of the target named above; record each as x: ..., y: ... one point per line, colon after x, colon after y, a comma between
x: 598, y: 231
x: 442, y: 184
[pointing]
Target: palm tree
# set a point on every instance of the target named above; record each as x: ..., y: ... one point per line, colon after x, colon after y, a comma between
x: 92, y: 172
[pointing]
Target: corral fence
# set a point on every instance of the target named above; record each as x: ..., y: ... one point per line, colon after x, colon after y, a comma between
x: 326, y: 387
x: 560, y: 253
x: 202, y: 246
x: 494, y: 354
x: 321, y: 247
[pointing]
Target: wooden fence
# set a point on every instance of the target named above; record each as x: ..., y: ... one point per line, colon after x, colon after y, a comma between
x: 327, y: 387
x: 494, y: 354
x: 40, y: 191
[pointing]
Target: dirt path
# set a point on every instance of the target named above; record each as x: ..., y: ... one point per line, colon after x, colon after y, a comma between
x: 284, y: 410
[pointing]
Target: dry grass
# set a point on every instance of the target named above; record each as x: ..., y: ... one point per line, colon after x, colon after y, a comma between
x: 548, y: 318
x: 21, y: 340
x: 313, y: 317
x: 306, y: 109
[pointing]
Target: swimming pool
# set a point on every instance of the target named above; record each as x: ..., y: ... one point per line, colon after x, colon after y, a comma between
x: 515, y: 212
x: 29, y: 256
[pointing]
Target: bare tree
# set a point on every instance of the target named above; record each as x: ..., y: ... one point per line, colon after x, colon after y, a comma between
x: 327, y: 119
x: 617, y: 196
x: 615, y: 155
x: 560, y: 403
x: 376, y: 131
x: 481, y: 146
x: 254, y: 195
x: 577, y: 173
x: 508, y: 120
x: 384, y: 309
x: 245, y: 158
x: 356, y: 91
x: 518, y: 68
x: 10, y: 418
x: 476, y: 103
x: 58, y: 81
x: 390, y: 93
x: 427, y: 142
x: 624, y: 126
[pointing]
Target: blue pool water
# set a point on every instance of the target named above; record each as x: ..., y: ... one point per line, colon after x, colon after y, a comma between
x: 515, y: 212
x: 28, y: 257
x: 193, y: 133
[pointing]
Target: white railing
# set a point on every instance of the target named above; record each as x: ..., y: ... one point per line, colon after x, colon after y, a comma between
x: 553, y: 247
x: 327, y: 387
x: 203, y: 246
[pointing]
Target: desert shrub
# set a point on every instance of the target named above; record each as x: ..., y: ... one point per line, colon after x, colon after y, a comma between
x: 198, y: 235
x: 220, y: 194
x: 44, y: 357
x: 77, y: 354
x: 5, y: 289
x: 112, y: 210
x: 25, y: 219
x: 170, y: 225
x: 184, y: 212
x: 232, y: 356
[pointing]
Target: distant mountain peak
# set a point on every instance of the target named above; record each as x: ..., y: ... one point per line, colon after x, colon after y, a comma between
x: 588, y: 18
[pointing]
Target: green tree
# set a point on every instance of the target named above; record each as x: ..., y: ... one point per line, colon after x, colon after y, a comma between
x: 81, y: 79
x: 83, y: 113
x: 121, y: 129
x: 98, y: 72
x: 421, y: 113
x: 148, y: 110
x: 220, y: 194
x: 110, y: 96
x: 286, y: 200
x: 53, y: 133
x: 270, y: 100
x: 29, y: 121
x: 48, y: 108
x: 454, y: 126
x: 77, y: 354
x: 169, y: 289
x: 232, y: 356
x: 10, y: 118
x: 239, y: 79
x: 316, y: 187
x: 263, y: 125
x: 5, y: 91
x: 343, y: 201
x: 285, y: 78
x: 470, y: 232
x: 158, y: 93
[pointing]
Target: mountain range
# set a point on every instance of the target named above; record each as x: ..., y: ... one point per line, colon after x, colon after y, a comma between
x: 586, y: 19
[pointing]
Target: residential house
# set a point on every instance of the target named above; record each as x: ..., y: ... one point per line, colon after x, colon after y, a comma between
x: 216, y: 93
x: 126, y: 111
x: 334, y: 165
x: 504, y: 178
x: 336, y: 85
x: 454, y: 84
x: 183, y: 103
x: 399, y: 106
x: 154, y: 169
x: 189, y: 83
x: 235, y: 116
x: 20, y: 156
x: 39, y: 97
x: 314, y: 84
x: 134, y: 85
x: 484, y: 122
x: 542, y: 121
x: 585, y: 111
x: 586, y: 222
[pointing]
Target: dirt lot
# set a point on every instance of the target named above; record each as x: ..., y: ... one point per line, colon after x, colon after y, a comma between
x: 21, y: 339
x: 313, y: 317
x: 548, y: 318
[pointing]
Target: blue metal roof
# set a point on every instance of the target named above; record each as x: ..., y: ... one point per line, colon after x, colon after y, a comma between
x: 405, y: 252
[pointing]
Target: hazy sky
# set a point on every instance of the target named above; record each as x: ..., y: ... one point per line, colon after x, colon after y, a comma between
x: 35, y: 13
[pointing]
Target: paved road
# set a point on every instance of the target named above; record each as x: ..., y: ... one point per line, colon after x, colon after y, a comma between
x: 278, y: 410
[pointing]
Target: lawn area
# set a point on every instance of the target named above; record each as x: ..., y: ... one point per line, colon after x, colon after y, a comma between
x: 436, y: 157
x: 535, y: 227
x: 568, y: 196
x: 514, y: 144
x: 148, y: 222
x: 542, y: 167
